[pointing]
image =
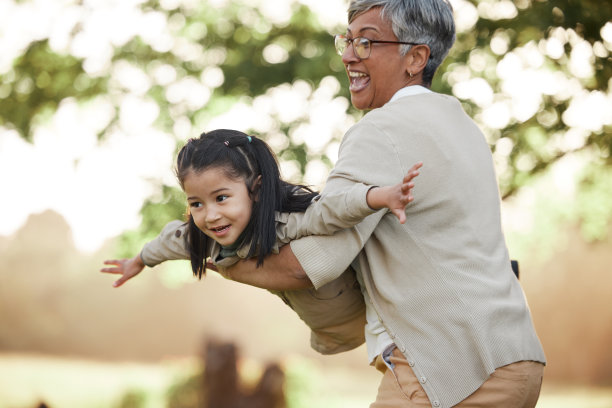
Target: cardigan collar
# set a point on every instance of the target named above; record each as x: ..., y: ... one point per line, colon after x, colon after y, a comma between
x: 409, y: 91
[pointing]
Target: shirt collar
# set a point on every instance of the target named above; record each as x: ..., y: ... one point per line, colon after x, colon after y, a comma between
x: 409, y: 91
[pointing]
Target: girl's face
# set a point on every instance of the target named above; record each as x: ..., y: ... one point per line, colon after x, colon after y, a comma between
x: 221, y: 206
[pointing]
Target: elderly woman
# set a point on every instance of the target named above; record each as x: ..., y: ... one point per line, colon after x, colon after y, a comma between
x: 447, y: 321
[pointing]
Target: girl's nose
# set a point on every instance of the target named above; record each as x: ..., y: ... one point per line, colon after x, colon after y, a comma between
x: 212, y: 215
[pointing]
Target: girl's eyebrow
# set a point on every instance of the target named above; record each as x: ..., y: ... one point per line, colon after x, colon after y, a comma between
x: 219, y: 190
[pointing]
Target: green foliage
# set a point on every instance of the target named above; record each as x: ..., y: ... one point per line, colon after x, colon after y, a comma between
x: 256, y: 55
x: 39, y: 81
x: 535, y: 22
x: 592, y: 207
x: 133, y: 399
x: 186, y: 393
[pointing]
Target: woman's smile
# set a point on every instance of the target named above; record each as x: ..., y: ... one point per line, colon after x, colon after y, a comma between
x: 358, y: 80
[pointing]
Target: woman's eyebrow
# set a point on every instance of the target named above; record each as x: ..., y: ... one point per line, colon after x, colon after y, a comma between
x: 368, y: 29
x: 361, y: 30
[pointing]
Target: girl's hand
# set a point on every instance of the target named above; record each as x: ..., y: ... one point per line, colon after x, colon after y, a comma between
x: 128, y: 268
x: 396, y: 197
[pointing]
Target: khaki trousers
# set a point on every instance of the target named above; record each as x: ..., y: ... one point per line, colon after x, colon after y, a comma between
x: 516, y: 385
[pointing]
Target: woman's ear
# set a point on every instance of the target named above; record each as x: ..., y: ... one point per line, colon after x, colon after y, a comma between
x: 417, y: 59
x: 255, y: 188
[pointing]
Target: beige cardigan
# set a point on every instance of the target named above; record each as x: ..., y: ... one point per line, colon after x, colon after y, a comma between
x: 441, y: 283
x: 335, y: 312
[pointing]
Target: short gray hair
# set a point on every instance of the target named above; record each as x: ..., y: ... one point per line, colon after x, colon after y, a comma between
x: 428, y: 22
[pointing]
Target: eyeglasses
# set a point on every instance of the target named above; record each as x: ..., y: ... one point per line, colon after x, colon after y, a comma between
x: 362, y: 47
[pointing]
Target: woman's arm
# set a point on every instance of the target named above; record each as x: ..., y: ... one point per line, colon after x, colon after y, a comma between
x: 280, y: 271
x: 283, y: 271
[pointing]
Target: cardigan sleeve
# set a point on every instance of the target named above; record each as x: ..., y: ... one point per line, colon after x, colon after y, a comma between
x: 366, y: 156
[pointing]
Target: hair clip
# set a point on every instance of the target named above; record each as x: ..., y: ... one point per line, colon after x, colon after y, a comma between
x: 238, y: 142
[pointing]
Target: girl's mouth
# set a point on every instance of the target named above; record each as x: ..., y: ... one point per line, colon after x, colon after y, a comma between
x: 220, y: 230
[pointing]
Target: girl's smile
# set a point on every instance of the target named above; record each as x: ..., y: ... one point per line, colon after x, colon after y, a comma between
x: 221, y: 206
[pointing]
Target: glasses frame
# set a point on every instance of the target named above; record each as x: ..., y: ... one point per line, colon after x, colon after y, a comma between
x: 351, y: 41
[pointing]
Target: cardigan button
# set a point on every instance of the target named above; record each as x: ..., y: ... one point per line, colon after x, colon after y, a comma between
x: 411, y: 363
x: 436, y: 403
x: 423, y: 380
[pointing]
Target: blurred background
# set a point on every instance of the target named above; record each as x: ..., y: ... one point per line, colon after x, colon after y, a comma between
x: 97, y: 95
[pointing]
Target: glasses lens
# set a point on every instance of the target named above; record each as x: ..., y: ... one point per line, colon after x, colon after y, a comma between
x: 341, y: 42
x: 362, y: 47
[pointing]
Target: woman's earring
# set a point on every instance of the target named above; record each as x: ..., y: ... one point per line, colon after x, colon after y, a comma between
x: 410, y: 73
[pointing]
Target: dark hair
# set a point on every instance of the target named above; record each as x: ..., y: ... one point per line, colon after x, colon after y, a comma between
x: 241, y: 157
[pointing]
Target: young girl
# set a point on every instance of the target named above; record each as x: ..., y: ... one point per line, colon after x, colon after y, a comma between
x: 239, y: 207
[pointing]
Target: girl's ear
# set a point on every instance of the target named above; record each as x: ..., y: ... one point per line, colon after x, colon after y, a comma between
x: 255, y: 188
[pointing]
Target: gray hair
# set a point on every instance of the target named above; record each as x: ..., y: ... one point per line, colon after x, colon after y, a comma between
x: 428, y: 22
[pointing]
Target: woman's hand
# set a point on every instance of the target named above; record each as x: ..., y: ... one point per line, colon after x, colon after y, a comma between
x: 128, y: 268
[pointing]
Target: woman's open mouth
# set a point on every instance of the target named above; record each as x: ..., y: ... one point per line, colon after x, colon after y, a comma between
x: 358, y: 80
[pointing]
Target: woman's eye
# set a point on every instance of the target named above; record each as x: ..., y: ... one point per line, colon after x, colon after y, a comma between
x: 195, y: 204
x: 221, y: 198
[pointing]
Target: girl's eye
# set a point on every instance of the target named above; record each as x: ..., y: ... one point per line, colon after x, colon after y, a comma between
x: 195, y: 204
x: 221, y: 197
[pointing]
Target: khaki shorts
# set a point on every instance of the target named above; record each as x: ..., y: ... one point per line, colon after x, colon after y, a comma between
x: 515, y: 385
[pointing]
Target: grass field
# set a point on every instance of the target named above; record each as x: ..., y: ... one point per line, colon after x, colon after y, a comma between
x: 26, y: 380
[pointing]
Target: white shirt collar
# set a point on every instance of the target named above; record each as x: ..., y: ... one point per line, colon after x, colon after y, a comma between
x: 409, y: 91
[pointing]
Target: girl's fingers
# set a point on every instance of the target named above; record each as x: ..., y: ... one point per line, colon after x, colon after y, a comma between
x: 413, y: 172
x: 115, y: 262
x: 111, y: 270
x: 411, y: 175
x: 401, y: 215
x: 406, y: 187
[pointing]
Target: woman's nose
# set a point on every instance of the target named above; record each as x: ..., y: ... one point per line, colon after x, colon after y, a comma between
x: 349, y: 54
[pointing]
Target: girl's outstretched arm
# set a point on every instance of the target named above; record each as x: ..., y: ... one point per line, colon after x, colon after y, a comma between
x: 127, y: 268
x: 396, y: 197
x: 170, y: 244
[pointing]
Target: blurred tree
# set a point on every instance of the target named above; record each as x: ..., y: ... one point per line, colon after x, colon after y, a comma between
x: 534, y: 74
